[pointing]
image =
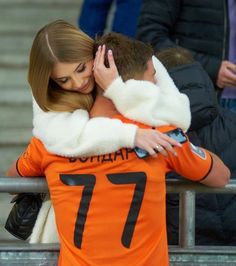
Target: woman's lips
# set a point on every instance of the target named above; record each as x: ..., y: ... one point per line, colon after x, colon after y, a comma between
x: 84, y: 88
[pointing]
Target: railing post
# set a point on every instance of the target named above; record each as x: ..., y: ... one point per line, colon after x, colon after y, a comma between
x: 187, y: 219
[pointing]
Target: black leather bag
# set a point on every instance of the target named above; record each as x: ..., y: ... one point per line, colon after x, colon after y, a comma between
x: 23, y: 215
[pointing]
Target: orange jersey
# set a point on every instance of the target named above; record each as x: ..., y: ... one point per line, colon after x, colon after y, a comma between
x: 110, y: 209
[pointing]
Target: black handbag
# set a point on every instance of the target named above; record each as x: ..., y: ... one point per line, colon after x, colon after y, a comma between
x: 23, y: 215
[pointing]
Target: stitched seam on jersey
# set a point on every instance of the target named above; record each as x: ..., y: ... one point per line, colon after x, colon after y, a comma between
x: 17, y: 168
x: 208, y: 170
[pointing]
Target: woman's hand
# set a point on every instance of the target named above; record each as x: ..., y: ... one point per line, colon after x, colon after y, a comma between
x: 154, y: 141
x: 103, y: 75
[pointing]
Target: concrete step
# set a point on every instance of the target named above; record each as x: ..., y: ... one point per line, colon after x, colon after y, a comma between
x: 14, y: 97
x: 13, y: 3
x: 14, y: 51
x: 13, y: 60
x: 12, y: 143
x: 18, y: 116
x: 17, y: 33
x: 9, y: 154
x: 13, y: 78
x: 13, y: 43
x: 15, y: 136
x: 27, y: 17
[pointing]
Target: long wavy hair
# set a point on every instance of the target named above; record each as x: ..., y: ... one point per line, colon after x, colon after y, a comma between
x: 58, y: 41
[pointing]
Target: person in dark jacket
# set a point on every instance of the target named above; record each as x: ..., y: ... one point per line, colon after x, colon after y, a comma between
x: 95, y: 15
x: 202, y: 27
x: 214, y: 128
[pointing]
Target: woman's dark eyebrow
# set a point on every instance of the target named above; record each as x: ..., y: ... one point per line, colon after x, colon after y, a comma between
x: 74, y: 71
x: 78, y: 66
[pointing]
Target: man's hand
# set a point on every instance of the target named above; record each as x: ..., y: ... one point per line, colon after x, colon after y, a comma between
x: 226, y: 75
x: 154, y: 141
x: 104, y: 76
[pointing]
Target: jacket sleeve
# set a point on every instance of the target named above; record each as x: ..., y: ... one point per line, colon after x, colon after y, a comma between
x: 157, y: 20
x: 193, y: 80
x: 74, y: 134
x: 152, y: 104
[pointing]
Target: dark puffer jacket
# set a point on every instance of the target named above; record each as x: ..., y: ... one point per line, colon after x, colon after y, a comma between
x: 214, y: 128
x: 198, y: 25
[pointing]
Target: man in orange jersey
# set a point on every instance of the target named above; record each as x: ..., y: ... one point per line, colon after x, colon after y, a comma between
x: 110, y: 209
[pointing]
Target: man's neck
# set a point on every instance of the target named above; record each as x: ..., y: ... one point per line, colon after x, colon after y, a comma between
x: 103, y: 107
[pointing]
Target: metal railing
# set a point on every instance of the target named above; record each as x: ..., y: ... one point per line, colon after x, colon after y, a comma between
x: 187, y: 191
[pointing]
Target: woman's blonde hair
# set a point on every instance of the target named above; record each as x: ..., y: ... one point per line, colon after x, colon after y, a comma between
x: 58, y: 41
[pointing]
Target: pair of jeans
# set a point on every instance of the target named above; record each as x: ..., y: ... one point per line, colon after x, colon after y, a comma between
x: 229, y: 104
x: 94, y: 13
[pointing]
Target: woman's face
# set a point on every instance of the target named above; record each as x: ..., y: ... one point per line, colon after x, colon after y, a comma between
x: 74, y: 76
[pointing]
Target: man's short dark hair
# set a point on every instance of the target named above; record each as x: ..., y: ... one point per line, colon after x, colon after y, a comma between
x: 130, y: 55
x: 175, y: 56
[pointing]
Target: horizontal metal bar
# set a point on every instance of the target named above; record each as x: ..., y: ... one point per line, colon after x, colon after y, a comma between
x: 22, y: 184
x: 37, y: 184
x: 177, y: 186
x: 24, y: 246
x: 20, y: 245
x: 45, y: 255
x: 219, y: 250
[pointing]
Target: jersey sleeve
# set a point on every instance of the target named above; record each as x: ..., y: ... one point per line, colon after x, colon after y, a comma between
x: 74, y: 134
x: 191, y: 162
x: 29, y: 163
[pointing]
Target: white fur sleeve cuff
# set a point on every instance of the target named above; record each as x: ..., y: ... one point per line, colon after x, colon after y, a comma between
x: 129, y: 131
x: 113, y: 91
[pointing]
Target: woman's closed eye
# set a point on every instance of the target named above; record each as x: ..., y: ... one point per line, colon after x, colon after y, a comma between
x: 80, y: 68
x: 62, y: 81
x: 64, y: 72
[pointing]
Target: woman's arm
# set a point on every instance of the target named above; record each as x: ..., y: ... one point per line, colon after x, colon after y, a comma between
x: 153, y: 104
x: 74, y: 134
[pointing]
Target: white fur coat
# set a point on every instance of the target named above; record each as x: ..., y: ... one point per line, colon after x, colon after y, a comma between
x: 73, y: 134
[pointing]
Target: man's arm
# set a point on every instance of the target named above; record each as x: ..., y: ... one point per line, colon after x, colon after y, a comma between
x: 12, y: 171
x: 199, y: 165
x: 219, y: 174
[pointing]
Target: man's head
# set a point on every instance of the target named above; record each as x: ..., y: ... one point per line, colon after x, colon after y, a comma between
x: 133, y: 58
x: 175, y: 56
